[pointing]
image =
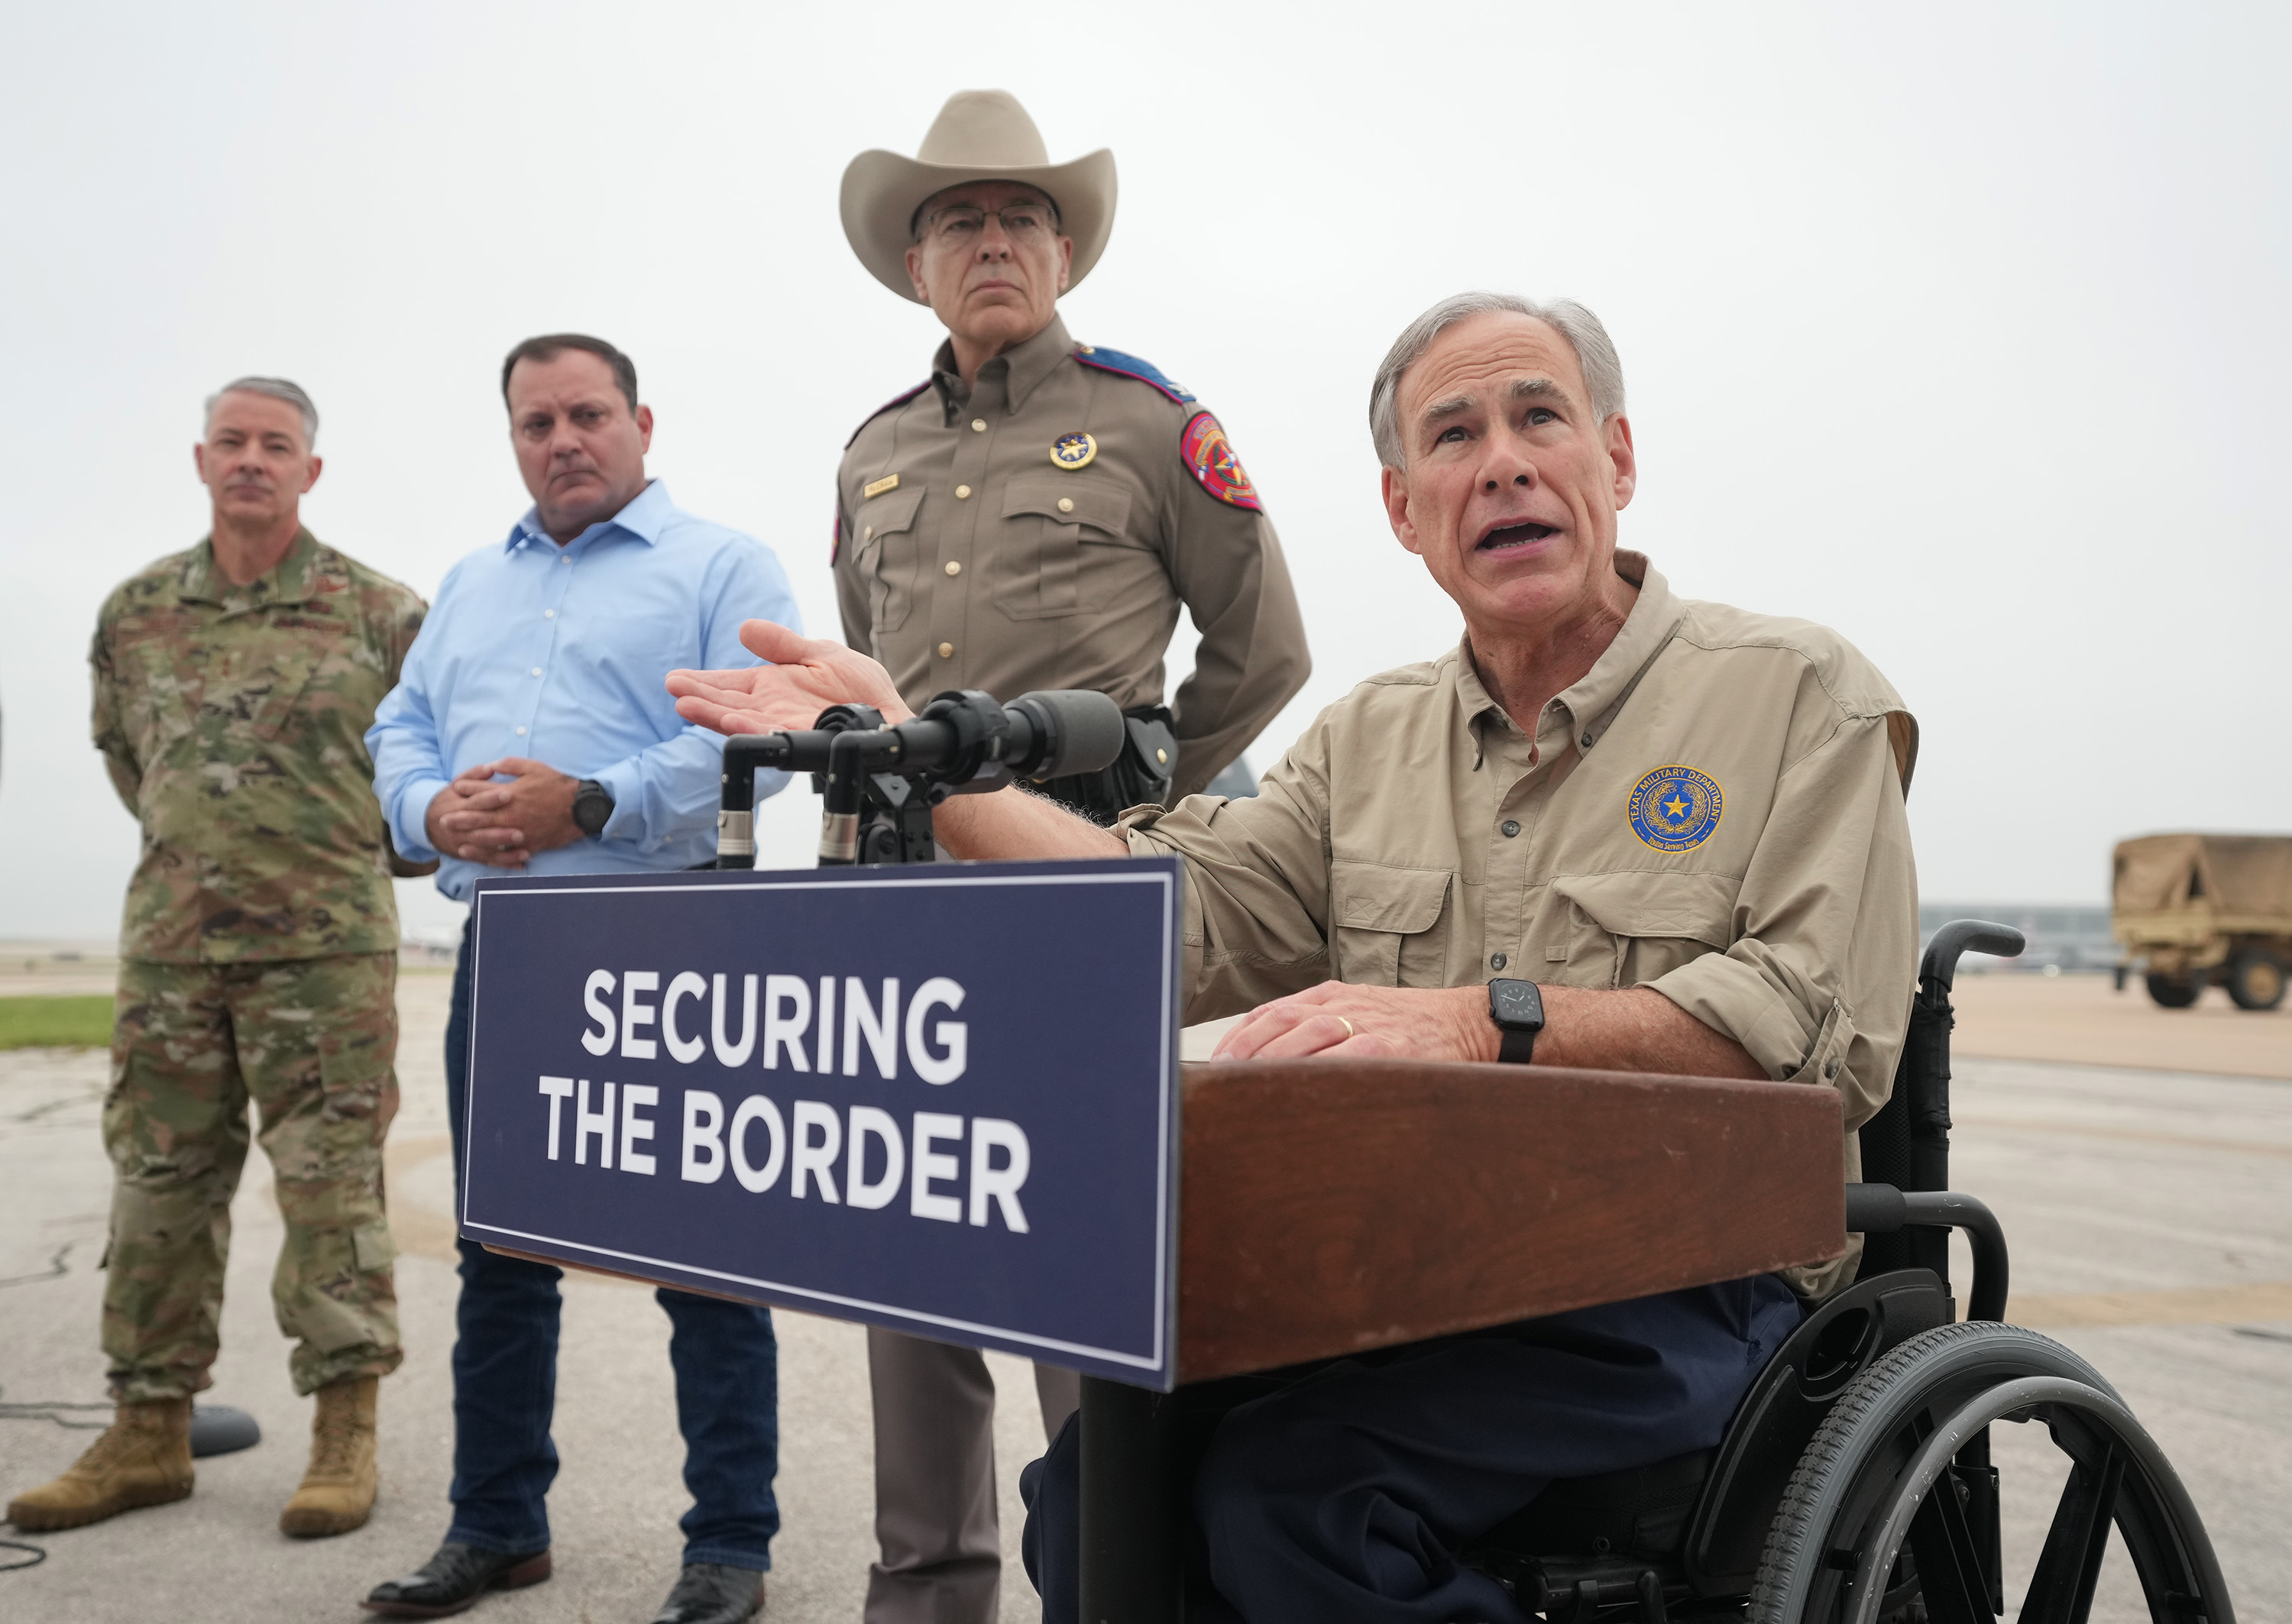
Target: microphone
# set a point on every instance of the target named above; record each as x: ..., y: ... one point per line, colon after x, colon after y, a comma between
x: 1057, y: 733
x: 961, y: 737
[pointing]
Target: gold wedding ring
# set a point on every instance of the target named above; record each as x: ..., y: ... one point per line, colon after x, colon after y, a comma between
x: 1349, y: 1028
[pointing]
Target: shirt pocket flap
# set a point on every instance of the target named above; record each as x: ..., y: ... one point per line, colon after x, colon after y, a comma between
x: 1069, y: 501
x: 889, y: 514
x: 1637, y: 903
x: 1372, y: 897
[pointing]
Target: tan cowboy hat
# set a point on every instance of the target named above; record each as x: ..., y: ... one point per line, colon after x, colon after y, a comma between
x: 978, y: 135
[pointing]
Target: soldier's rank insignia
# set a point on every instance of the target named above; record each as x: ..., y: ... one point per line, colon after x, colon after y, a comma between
x: 1209, y: 456
x: 1675, y: 809
x: 1072, y: 451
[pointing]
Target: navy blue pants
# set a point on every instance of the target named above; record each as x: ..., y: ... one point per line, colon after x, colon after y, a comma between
x: 727, y: 1368
x: 1346, y: 1493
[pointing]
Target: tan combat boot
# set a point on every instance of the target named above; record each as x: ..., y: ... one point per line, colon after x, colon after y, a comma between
x: 143, y: 1458
x: 337, y: 1492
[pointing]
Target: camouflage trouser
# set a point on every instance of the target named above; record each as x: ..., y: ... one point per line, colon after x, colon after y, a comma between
x: 311, y: 1042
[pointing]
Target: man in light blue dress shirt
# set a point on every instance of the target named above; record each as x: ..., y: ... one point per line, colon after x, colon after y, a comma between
x: 530, y: 733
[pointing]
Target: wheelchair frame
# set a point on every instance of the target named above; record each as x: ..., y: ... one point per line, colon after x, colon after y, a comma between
x: 1854, y: 1484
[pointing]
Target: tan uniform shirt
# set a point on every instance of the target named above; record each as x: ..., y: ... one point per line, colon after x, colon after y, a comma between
x: 1715, y: 811
x: 233, y: 720
x: 966, y: 558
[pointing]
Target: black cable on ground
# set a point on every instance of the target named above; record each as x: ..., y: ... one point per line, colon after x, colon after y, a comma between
x: 37, y: 1555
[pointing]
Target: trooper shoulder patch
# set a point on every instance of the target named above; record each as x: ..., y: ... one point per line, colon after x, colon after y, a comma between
x: 896, y: 400
x: 1209, y: 457
x: 1131, y: 366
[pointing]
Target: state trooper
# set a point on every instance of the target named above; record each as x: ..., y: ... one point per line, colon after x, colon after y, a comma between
x: 1034, y: 515
x: 1611, y: 828
x: 258, y: 961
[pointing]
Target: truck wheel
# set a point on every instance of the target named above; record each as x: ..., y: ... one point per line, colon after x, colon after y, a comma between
x: 2173, y: 995
x: 2255, y: 980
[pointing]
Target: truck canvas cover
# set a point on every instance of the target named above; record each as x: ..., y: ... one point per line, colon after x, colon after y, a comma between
x: 2237, y: 874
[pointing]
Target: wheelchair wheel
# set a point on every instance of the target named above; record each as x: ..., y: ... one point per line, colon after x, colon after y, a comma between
x: 1891, y: 1514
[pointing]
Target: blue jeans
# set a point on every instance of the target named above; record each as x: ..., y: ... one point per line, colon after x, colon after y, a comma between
x: 505, y: 1387
x: 1347, y: 1492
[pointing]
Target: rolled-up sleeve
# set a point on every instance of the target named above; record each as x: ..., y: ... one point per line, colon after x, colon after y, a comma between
x: 1257, y: 882
x: 1824, y: 960
x: 670, y: 791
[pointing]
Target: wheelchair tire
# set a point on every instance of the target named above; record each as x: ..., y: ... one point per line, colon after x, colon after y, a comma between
x: 2255, y: 980
x: 2170, y: 993
x: 1875, y: 1493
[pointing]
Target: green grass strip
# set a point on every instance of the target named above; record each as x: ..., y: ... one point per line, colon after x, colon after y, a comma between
x: 56, y: 1022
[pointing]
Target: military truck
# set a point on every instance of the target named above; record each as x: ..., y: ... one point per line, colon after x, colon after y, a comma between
x: 2201, y: 909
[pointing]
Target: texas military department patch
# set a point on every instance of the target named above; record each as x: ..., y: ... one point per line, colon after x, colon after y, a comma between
x: 1076, y: 450
x: 1209, y: 456
x: 1675, y: 809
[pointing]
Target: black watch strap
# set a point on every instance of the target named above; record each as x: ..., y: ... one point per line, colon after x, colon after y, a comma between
x: 592, y: 807
x: 1517, y: 1009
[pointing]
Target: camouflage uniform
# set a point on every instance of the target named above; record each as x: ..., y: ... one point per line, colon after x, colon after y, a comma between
x: 259, y: 954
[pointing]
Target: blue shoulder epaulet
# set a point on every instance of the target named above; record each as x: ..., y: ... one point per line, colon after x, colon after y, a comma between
x: 896, y: 400
x: 1130, y: 367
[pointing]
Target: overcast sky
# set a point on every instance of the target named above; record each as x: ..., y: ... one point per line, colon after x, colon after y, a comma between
x: 1962, y: 330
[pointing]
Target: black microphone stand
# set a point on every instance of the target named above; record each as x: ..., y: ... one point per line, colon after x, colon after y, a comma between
x: 875, y: 807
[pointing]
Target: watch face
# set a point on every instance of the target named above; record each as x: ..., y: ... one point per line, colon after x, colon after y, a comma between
x: 1516, y: 1003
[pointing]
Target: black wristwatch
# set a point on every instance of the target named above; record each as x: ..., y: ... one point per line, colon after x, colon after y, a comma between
x: 592, y: 807
x: 1517, y: 1009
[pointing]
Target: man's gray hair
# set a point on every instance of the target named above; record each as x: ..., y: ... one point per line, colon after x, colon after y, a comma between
x: 277, y: 389
x: 1595, y: 354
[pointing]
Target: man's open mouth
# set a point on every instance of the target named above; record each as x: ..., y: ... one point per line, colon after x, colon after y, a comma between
x: 1515, y: 535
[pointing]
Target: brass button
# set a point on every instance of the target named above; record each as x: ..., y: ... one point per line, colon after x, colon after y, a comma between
x: 867, y: 533
x: 962, y: 491
x: 953, y: 567
x: 947, y: 651
x: 1066, y: 504
x: 1162, y: 758
x: 979, y: 425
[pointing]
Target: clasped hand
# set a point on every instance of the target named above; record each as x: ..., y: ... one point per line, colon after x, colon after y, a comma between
x: 500, y: 813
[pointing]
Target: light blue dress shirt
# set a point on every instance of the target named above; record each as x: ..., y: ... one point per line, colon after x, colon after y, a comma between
x: 558, y: 653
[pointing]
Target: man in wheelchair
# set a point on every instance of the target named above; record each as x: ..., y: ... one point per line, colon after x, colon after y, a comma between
x: 1613, y: 828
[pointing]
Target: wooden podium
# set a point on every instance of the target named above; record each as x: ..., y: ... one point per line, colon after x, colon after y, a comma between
x: 1329, y: 1207
x: 1333, y: 1206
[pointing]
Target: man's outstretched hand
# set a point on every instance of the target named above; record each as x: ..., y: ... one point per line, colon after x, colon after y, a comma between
x: 805, y: 676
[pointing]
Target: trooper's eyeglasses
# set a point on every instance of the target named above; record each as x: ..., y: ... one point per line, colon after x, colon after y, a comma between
x: 1024, y: 223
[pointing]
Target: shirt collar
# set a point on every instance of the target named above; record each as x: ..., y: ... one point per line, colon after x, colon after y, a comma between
x: 1025, y: 365
x: 1593, y: 701
x: 645, y: 517
x: 292, y: 579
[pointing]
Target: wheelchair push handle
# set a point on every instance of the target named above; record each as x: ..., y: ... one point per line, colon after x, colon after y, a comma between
x: 1964, y: 935
x: 1882, y: 1210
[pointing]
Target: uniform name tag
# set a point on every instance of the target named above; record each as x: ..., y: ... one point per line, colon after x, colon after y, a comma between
x: 888, y: 482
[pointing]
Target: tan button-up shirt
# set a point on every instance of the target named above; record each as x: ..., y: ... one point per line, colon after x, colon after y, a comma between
x: 1715, y: 811
x: 966, y: 558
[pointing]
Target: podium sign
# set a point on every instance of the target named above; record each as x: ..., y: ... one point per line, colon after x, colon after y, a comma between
x: 942, y: 1099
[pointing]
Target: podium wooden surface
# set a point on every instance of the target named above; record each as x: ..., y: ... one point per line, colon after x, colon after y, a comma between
x: 1329, y: 1206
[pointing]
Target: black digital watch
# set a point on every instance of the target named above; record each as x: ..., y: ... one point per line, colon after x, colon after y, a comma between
x: 1517, y: 1009
x: 592, y: 807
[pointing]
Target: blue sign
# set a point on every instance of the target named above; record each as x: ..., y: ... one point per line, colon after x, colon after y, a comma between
x: 941, y: 1098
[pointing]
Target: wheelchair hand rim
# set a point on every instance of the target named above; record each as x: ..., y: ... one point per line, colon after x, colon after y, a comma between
x: 1918, y: 1480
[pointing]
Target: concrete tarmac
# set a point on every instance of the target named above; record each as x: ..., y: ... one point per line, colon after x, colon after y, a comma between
x: 2145, y: 1208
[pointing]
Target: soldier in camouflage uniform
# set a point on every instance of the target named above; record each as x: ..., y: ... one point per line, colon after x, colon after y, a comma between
x: 233, y: 685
